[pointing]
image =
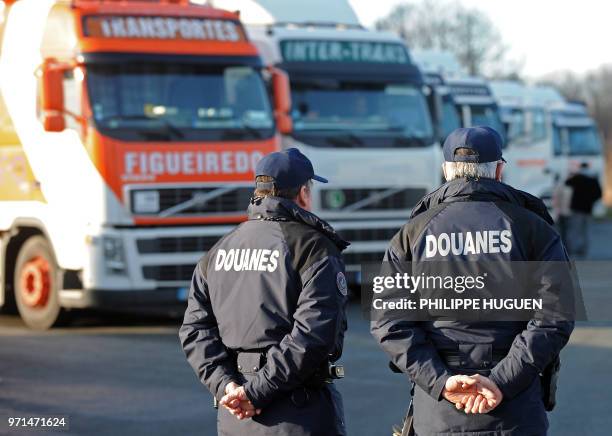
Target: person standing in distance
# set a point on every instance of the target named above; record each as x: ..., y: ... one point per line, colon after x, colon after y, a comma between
x: 476, y: 378
x: 266, y: 311
x: 586, y: 191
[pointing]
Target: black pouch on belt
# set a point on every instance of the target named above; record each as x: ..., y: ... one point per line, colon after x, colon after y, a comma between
x: 477, y: 357
x: 250, y: 362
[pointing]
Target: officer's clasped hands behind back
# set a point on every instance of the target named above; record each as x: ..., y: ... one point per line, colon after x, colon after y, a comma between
x: 490, y: 369
x: 266, y: 311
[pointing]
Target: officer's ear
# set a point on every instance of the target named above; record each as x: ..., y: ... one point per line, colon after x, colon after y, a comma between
x: 303, y: 198
x: 499, y: 170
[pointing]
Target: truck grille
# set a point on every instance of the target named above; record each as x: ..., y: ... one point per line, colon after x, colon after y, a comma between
x: 369, y: 199
x: 183, y: 273
x: 168, y: 273
x: 178, y: 244
x: 358, y: 235
x: 233, y: 201
x: 356, y: 258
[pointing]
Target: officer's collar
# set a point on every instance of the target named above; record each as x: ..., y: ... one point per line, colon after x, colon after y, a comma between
x: 481, y: 190
x: 281, y: 209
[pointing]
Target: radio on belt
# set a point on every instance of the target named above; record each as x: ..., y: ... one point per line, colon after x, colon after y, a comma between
x: 336, y: 371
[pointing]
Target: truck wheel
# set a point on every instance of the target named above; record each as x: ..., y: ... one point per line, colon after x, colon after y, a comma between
x: 36, y: 284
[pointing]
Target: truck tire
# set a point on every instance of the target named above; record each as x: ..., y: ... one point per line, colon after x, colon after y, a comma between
x: 36, y: 284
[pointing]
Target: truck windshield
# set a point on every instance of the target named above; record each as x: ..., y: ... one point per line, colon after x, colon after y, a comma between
x: 487, y: 115
x: 333, y: 109
x: 513, y: 120
x: 450, y: 116
x: 179, y: 102
x: 577, y: 140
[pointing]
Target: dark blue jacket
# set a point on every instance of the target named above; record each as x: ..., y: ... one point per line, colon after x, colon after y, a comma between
x: 524, y: 233
x: 274, y: 285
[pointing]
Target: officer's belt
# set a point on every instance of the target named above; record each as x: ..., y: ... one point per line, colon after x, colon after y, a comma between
x: 250, y: 362
x: 473, y: 356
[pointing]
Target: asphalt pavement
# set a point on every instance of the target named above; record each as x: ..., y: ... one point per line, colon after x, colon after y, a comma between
x: 116, y: 374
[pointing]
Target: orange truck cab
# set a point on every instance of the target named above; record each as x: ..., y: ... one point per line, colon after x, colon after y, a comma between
x: 129, y: 133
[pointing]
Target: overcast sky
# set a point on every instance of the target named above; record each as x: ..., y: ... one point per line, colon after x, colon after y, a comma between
x: 549, y: 35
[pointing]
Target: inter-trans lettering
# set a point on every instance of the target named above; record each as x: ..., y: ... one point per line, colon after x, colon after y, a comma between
x: 190, y: 162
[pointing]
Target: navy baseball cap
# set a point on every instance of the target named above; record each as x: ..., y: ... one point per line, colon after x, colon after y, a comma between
x: 483, y: 140
x: 289, y: 168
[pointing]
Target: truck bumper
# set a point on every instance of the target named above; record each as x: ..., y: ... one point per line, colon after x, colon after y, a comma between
x: 369, y: 240
x: 170, y: 298
x: 152, y: 259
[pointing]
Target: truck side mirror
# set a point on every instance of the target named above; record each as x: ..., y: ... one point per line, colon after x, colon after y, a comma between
x: 52, y: 97
x: 282, y: 101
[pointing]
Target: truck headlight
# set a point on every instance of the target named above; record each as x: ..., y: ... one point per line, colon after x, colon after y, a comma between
x: 145, y: 202
x: 114, y: 255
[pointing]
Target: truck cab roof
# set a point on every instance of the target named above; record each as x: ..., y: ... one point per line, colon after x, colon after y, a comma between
x: 350, y: 53
x: 509, y: 93
x: 441, y: 68
x: 438, y: 62
x: 470, y: 90
x: 544, y: 95
x: 178, y: 28
x: 571, y: 115
x: 268, y: 12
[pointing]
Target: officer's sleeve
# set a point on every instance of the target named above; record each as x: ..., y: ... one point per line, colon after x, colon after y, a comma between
x: 201, y: 342
x: 318, y: 320
x: 337, y: 352
x: 407, y: 343
x: 544, y: 337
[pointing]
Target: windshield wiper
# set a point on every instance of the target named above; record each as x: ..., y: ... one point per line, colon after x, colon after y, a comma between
x: 346, y: 140
x: 253, y: 131
x: 409, y: 138
x: 167, y: 125
x: 410, y: 141
x: 242, y: 131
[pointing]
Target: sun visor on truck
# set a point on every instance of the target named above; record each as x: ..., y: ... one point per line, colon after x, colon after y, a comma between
x: 135, y: 58
x: 355, y: 60
x: 354, y: 72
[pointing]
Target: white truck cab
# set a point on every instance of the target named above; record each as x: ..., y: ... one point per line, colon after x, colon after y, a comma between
x: 129, y: 134
x: 548, y: 138
x: 360, y: 112
x: 474, y: 103
x: 575, y: 141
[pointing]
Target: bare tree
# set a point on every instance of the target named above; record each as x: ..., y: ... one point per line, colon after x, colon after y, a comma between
x: 570, y: 84
x: 477, y: 42
x: 594, y: 88
x: 598, y: 86
x: 447, y: 25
